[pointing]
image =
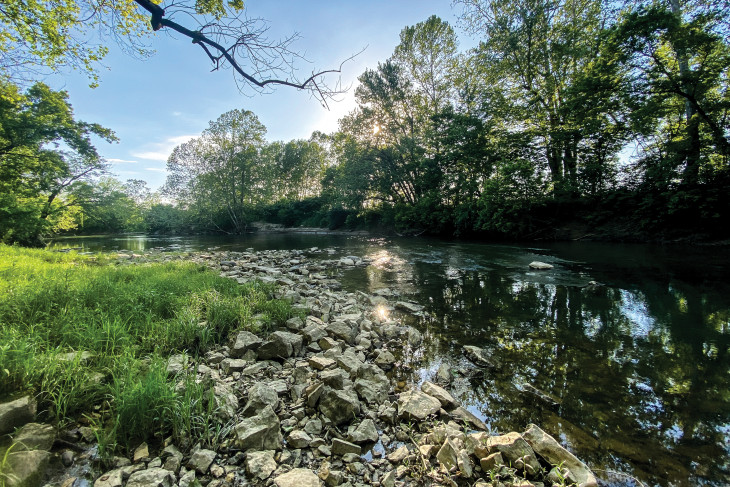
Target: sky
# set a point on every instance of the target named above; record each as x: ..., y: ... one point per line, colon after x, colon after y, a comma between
x: 157, y: 103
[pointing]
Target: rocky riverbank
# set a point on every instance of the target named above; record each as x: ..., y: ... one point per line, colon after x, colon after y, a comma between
x: 313, y: 404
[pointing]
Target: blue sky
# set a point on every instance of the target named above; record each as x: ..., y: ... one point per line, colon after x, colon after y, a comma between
x: 157, y: 103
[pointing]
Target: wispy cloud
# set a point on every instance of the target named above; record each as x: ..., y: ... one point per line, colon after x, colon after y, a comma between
x: 160, y: 151
x: 120, y: 161
x: 155, y: 169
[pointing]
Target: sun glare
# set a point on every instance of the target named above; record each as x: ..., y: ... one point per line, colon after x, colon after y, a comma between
x: 376, y: 128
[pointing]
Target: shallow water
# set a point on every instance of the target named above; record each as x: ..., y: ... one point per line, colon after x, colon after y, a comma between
x: 639, y: 364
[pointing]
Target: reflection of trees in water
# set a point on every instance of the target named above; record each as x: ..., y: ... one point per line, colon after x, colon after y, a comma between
x: 641, y: 374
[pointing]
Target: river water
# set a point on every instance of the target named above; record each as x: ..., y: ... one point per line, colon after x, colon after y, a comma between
x: 638, y: 364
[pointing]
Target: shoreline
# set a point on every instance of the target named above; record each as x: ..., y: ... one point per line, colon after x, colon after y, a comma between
x: 313, y: 404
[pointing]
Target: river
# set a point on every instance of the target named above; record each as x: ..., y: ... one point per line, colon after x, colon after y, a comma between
x: 638, y: 363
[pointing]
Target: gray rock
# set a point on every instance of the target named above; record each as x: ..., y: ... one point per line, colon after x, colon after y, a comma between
x: 25, y: 468
x: 177, y: 364
x: 34, y: 436
x: 314, y: 333
x: 372, y: 392
x: 280, y: 345
x: 478, y: 355
x: 540, y: 266
x: 260, y: 464
x: 408, y: 307
x: 226, y: 402
x: 186, y: 480
x: 259, y: 396
x: 342, y: 447
x: 443, y: 374
x: 417, y: 405
x: 448, y: 455
x: 152, y: 477
x: 461, y: 414
x: 298, y: 439
x: 366, y: 432
x: 334, y: 378
x: 549, y: 449
x: 385, y: 360
x: 260, y: 432
x: 231, y: 365
x: 398, y: 455
x: 313, y: 426
x: 113, y: 478
x: 245, y: 341
x: 342, y: 331
x: 515, y: 449
x: 446, y: 399
x: 321, y: 363
x: 141, y: 453
x: 16, y: 413
x: 349, y: 362
x: 339, y: 406
x: 298, y: 477
x: 201, y: 460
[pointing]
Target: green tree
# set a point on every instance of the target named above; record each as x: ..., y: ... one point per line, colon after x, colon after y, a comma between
x: 44, y: 151
x: 215, y: 175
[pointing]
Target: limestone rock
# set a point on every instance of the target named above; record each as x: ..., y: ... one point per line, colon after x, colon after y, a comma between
x: 446, y: 399
x: 298, y: 477
x: 339, y: 406
x: 16, y: 413
x: 321, y: 363
x: 464, y: 416
x: 342, y: 447
x: 298, y: 439
x: 408, y: 307
x: 280, y: 345
x: 260, y: 432
x: 385, y: 360
x: 152, y: 477
x: 478, y: 355
x: 113, y: 478
x: 245, y: 341
x: 201, y: 460
x: 398, y: 455
x: 226, y: 402
x: 447, y: 455
x: 366, y: 432
x: 34, y: 436
x: 540, y: 266
x: 25, y: 468
x: 259, y: 396
x: 342, y: 331
x: 515, y: 449
x: 549, y: 449
x: 417, y: 405
x: 260, y: 464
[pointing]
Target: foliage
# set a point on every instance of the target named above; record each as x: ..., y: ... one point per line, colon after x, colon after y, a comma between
x: 44, y: 151
x: 79, y: 331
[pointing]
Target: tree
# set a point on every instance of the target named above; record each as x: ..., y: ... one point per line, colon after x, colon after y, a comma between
x: 214, y: 175
x: 41, y: 35
x: 44, y: 151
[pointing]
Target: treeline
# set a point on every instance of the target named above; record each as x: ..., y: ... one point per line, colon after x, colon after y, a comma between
x: 571, y: 118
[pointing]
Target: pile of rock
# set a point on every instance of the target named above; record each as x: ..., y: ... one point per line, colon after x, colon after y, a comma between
x: 313, y: 404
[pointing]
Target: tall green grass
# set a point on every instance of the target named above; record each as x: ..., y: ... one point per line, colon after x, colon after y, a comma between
x: 55, y: 306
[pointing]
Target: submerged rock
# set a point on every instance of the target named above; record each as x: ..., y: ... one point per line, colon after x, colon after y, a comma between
x: 549, y: 449
x: 541, y: 266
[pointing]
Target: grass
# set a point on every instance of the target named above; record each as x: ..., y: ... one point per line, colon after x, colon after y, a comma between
x: 54, y: 307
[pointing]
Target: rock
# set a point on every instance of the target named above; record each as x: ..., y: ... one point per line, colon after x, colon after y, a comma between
x: 349, y: 362
x: 541, y: 266
x: 549, y: 400
x: 366, y: 432
x: 259, y: 396
x: 177, y: 364
x: 245, y: 341
x: 34, y: 436
x: 549, y: 449
x: 388, y: 479
x: 201, y: 460
x: 342, y: 447
x: 16, y: 413
x: 334, y: 378
x: 491, y: 462
x: 478, y: 356
x: 446, y: 399
x: 408, y: 306
x: 417, y: 405
x: 298, y: 439
x: 260, y: 432
x: 280, y: 345
x: 461, y: 414
x: 398, y: 455
x: 513, y: 449
x: 25, y: 468
x: 298, y: 477
x: 67, y: 458
x: 226, y: 402
x: 464, y: 463
x: 448, y: 455
x: 385, y: 360
x: 342, y: 331
x: 339, y: 406
x: 231, y: 365
x: 186, y: 480
x: 113, y: 478
x: 321, y: 363
x: 152, y: 477
x: 315, y: 334
x: 141, y: 453
x: 260, y: 464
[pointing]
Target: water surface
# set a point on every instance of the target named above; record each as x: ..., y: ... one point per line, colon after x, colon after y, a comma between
x: 638, y: 364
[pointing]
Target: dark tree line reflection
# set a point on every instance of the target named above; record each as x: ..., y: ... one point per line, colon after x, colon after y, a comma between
x: 640, y: 370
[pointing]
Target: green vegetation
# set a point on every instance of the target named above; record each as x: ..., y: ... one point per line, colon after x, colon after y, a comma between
x: 80, y: 331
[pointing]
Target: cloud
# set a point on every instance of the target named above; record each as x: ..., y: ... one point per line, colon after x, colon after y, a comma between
x: 155, y: 169
x: 160, y: 151
x: 120, y: 161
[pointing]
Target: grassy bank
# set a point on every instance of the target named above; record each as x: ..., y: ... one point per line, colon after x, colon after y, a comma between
x: 89, y: 337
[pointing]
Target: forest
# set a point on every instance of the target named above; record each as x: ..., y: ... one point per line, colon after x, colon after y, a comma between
x: 571, y: 119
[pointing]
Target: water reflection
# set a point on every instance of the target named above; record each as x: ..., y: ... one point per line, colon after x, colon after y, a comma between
x: 638, y: 367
